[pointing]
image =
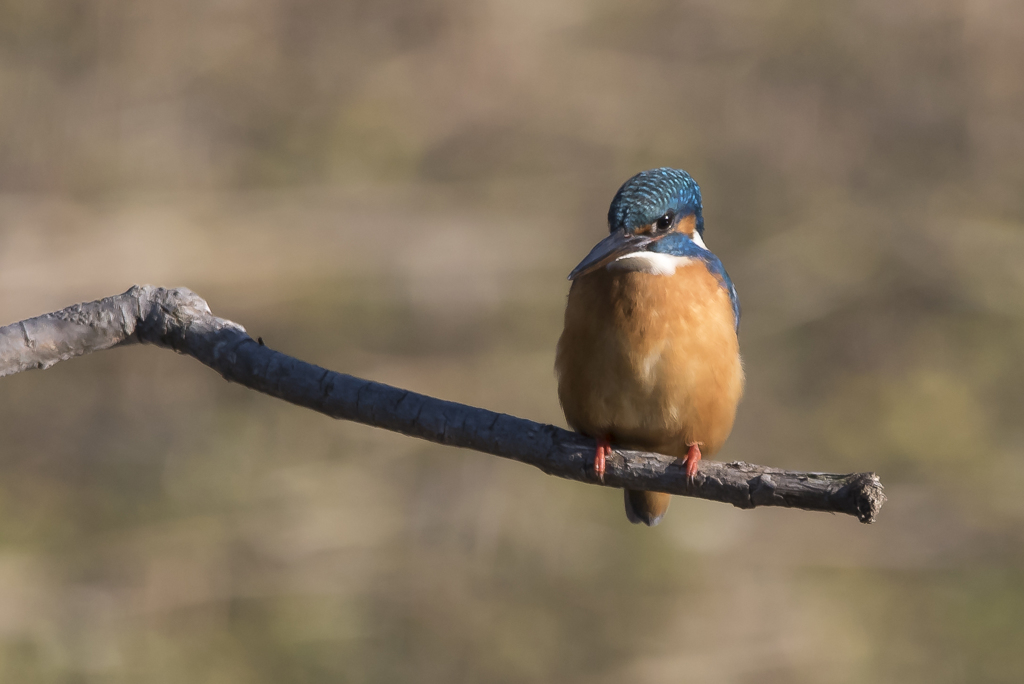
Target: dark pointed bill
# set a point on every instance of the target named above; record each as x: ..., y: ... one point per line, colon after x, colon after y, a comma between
x: 612, y: 247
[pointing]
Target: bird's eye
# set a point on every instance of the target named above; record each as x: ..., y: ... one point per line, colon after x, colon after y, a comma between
x: 664, y: 223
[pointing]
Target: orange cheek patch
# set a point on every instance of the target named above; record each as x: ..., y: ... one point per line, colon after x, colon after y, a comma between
x: 687, y: 225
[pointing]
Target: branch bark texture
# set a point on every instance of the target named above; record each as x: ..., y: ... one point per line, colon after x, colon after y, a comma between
x: 179, y: 319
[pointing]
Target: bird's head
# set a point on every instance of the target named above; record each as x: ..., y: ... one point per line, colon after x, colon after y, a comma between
x: 649, y: 207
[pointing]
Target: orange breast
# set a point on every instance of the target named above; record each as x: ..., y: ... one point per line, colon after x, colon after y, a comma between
x: 650, y: 360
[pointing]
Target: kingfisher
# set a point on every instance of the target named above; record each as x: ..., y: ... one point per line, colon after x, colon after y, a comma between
x: 649, y: 356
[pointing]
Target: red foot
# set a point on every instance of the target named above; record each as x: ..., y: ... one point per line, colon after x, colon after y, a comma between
x: 692, y: 459
x: 604, y: 448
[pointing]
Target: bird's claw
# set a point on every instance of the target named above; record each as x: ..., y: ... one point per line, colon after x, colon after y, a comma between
x: 604, y: 449
x: 691, y: 461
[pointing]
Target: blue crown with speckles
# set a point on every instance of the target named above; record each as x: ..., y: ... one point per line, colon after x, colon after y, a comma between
x: 649, y: 195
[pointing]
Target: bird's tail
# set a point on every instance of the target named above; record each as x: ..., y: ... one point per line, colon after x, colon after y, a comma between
x: 646, y: 507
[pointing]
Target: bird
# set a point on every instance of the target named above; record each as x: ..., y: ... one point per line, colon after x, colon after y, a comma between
x: 649, y: 354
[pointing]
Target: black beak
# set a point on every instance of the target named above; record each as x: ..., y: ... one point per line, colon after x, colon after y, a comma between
x: 612, y: 247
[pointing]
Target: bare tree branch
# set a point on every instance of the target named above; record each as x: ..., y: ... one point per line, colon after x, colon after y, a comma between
x: 180, y: 320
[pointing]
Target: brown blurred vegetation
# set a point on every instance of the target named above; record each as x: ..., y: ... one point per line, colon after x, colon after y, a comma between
x: 397, y: 190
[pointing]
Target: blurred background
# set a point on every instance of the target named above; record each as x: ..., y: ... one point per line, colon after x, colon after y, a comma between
x: 397, y: 190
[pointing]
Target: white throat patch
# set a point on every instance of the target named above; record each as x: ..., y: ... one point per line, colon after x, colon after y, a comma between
x: 654, y: 263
